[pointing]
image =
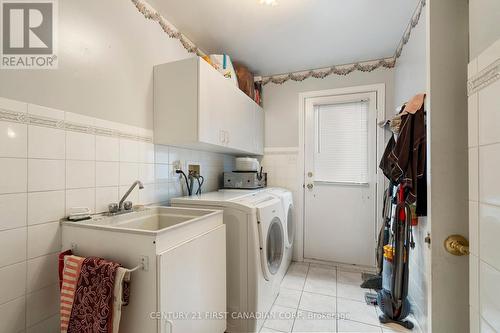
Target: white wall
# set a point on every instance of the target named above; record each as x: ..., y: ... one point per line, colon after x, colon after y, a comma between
x: 410, y: 72
x: 484, y: 16
x: 107, y: 50
x: 410, y: 78
x: 484, y: 194
x: 281, y: 102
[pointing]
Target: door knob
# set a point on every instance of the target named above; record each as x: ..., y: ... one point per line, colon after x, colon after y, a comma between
x: 310, y: 186
x: 457, y: 245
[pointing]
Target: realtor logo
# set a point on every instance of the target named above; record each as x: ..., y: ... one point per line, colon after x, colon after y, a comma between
x: 28, y: 34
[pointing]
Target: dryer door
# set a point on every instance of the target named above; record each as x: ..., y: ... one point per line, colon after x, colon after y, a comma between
x: 271, y: 250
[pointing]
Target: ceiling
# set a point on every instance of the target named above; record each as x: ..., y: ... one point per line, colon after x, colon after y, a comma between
x: 294, y: 35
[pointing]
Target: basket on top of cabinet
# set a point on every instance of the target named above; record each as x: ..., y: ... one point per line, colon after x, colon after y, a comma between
x: 196, y: 107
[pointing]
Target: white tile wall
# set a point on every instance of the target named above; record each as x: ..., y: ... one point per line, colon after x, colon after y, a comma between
x: 13, y: 244
x: 107, y: 149
x: 13, y: 208
x: 45, y: 171
x: 13, y: 315
x: 13, y: 175
x: 80, y: 146
x: 46, y: 175
x: 42, y: 304
x: 43, y: 239
x: 80, y: 174
x: 82, y: 197
x: 13, y: 279
x: 128, y: 172
x: 13, y: 137
x: 107, y: 174
x: 45, y: 112
x: 129, y: 151
x: 42, y: 272
x: 45, y: 206
x: 45, y: 142
x: 484, y: 205
x: 104, y: 196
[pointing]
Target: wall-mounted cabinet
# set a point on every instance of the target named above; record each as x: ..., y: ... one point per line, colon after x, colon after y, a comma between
x: 196, y: 107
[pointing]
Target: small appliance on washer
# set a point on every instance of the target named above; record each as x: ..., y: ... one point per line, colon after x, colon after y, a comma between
x: 289, y: 222
x: 255, y: 243
x: 249, y: 180
x: 247, y: 175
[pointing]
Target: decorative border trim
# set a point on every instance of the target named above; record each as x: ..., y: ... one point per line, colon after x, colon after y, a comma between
x: 30, y: 119
x: 366, y: 66
x: 484, y: 78
x: 152, y: 14
x: 413, y: 23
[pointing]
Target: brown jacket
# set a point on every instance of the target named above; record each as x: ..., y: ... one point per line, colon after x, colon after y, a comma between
x: 404, y: 160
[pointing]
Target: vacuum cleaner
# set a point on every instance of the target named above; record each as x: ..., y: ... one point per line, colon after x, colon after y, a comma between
x: 393, y: 297
x: 374, y: 281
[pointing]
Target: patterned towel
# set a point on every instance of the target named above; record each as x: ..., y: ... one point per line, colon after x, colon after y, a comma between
x: 69, y: 280
x: 93, y: 298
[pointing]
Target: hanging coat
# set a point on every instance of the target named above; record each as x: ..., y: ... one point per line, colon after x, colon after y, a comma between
x: 404, y: 160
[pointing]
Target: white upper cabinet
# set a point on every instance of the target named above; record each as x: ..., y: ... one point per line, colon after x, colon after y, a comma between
x: 196, y: 107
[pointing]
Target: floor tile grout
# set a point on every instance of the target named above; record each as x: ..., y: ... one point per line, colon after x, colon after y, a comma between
x: 336, y: 275
x: 300, y: 298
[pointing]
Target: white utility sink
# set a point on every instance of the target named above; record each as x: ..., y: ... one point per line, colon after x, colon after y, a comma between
x: 180, y: 254
x: 149, y: 220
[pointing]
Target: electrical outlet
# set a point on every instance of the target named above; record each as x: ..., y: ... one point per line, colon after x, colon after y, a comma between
x: 194, y: 168
x: 177, y: 165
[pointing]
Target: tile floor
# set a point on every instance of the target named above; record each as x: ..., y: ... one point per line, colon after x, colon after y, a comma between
x: 318, y: 298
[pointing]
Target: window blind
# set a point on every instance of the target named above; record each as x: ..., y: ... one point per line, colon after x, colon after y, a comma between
x: 341, y: 142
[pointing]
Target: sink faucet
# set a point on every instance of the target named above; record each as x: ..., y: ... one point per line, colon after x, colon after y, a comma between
x: 122, y: 200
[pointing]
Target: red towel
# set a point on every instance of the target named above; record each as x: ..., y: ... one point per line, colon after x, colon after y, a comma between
x: 70, y: 277
x: 92, y: 308
x: 61, y: 265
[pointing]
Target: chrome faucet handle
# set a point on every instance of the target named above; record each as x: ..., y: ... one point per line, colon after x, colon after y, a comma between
x: 127, y: 205
x: 113, y: 208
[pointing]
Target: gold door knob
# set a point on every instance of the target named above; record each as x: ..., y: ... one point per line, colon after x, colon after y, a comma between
x: 457, y: 245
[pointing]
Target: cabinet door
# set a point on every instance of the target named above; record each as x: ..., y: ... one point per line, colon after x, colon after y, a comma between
x: 259, y: 131
x: 192, y: 285
x: 213, y: 106
x: 241, y: 121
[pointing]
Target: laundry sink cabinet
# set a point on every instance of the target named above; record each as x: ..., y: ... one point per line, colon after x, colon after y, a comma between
x: 196, y: 107
x: 181, y: 285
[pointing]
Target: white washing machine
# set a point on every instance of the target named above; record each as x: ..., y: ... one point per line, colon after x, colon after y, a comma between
x: 289, y: 222
x: 255, y: 245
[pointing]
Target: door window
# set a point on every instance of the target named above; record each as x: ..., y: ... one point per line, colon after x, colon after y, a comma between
x: 341, y: 142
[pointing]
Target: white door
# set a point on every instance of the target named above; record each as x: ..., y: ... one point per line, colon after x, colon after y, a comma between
x: 340, y: 178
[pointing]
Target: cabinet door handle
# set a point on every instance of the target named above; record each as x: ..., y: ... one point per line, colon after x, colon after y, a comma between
x: 222, y: 136
x: 170, y: 324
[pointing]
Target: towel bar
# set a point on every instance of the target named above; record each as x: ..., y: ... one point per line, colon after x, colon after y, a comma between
x: 143, y: 261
